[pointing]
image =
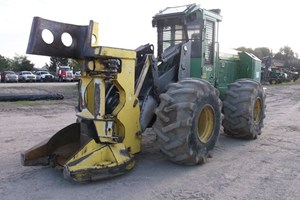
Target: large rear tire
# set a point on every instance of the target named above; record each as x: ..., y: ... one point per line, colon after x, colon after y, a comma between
x: 244, y: 109
x: 188, y: 121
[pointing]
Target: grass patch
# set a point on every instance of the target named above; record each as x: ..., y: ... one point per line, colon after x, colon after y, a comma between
x: 290, y: 83
x: 24, y: 103
x: 35, y: 103
x: 285, y: 83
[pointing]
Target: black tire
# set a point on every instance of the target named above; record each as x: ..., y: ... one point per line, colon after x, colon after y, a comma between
x: 273, y: 82
x: 244, y: 109
x: 182, y: 133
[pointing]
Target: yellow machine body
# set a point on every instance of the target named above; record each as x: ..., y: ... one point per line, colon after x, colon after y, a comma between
x: 100, y: 144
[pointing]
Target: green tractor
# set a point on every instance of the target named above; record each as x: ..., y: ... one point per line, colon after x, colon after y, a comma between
x: 185, y: 95
x: 276, y: 76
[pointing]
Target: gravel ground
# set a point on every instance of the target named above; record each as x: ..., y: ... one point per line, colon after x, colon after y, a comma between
x: 266, y: 168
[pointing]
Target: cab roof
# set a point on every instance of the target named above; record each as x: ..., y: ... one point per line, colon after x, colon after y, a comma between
x: 185, y: 11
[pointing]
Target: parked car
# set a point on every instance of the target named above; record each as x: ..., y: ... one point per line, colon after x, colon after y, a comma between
x: 26, y: 76
x: 9, y: 76
x: 44, y: 76
x: 56, y: 78
x: 77, y: 75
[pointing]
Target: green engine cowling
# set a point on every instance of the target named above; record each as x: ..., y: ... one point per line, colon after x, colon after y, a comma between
x: 231, y: 67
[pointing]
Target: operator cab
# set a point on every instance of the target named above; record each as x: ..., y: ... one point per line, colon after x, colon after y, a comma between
x: 181, y: 24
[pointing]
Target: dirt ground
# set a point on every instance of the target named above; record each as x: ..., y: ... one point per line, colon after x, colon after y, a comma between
x: 266, y: 168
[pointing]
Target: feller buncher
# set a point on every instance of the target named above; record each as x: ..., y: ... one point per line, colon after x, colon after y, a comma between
x: 183, y: 94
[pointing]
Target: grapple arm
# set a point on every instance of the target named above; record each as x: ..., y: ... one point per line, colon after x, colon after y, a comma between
x: 81, y: 39
x: 103, y: 144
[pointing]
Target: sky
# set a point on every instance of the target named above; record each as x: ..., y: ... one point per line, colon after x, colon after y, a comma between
x: 127, y: 24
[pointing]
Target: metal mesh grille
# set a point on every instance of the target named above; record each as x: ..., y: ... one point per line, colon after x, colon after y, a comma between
x: 209, y: 42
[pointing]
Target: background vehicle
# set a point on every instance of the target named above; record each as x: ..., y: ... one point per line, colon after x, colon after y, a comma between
x: 276, y: 76
x: 295, y: 75
x: 26, y: 76
x: 64, y: 73
x: 77, y: 75
x: 179, y: 95
x: 44, y: 76
x: 9, y: 76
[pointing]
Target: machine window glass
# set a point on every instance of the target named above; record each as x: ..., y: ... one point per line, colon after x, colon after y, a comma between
x: 178, y: 9
x: 171, y: 35
x: 178, y: 34
x: 166, y: 40
x: 194, y: 35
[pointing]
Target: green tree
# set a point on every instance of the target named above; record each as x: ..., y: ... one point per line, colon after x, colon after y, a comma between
x: 21, y: 63
x: 259, y: 52
x: 279, y: 56
x: 287, y: 52
x: 4, y: 63
x: 75, y: 65
x: 287, y: 55
x: 46, y: 67
x: 57, y: 61
x: 249, y: 50
x: 262, y: 52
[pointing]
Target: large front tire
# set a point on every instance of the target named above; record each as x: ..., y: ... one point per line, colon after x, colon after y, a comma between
x: 188, y: 121
x: 244, y: 109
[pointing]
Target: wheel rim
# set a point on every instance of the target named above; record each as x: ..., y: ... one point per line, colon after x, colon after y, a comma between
x: 206, y: 123
x: 257, y: 111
